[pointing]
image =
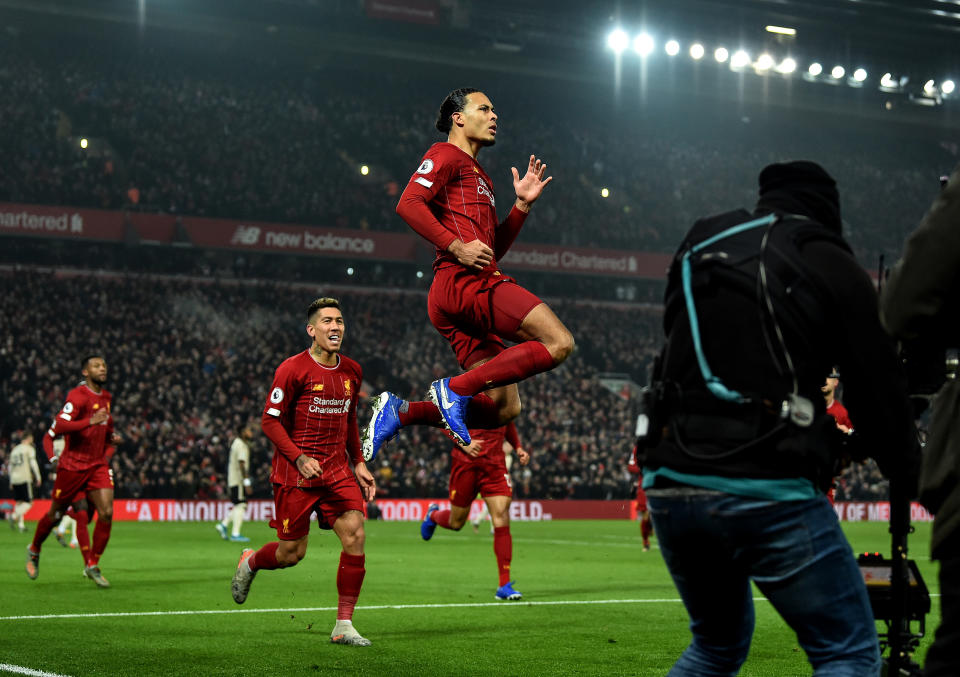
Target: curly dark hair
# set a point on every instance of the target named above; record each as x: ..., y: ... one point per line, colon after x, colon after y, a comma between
x: 454, y: 103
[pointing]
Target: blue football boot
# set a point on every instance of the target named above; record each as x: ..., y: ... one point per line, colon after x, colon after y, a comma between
x: 384, y: 424
x: 507, y: 592
x: 453, y: 409
x: 428, y: 526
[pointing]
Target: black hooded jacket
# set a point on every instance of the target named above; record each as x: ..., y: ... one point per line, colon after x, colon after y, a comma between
x: 825, y: 307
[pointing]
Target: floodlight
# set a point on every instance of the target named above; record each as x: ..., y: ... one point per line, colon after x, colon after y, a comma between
x: 739, y: 59
x: 604, y: 192
x: 788, y: 65
x: 948, y: 86
x: 860, y: 75
x: 696, y: 51
x: 672, y: 47
x: 929, y: 88
x: 643, y: 44
x: 781, y: 30
x: 721, y: 54
x: 83, y: 143
x: 350, y: 271
x: 838, y: 72
x: 887, y: 80
x: 764, y: 62
x: 364, y: 169
x: 815, y: 69
x: 419, y: 274
x: 618, y: 40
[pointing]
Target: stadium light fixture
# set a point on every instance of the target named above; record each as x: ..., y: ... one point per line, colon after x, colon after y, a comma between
x: 888, y: 81
x: 643, y: 44
x: 350, y: 270
x: 721, y: 54
x: 618, y: 40
x: 419, y: 274
x: 948, y: 86
x: 838, y: 72
x: 860, y: 75
x: 604, y: 192
x: 781, y: 30
x: 788, y: 65
x: 83, y: 143
x: 739, y: 59
x: 364, y: 169
x: 672, y: 47
x: 929, y: 88
x: 815, y: 69
x: 696, y: 51
x: 764, y: 62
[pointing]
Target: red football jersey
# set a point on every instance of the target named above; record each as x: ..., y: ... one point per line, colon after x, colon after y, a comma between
x: 317, y: 407
x: 86, y: 447
x: 461, y: 197
x: 839, y: 412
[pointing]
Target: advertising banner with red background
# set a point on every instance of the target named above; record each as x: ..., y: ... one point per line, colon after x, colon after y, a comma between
x: 392, y: 509
x: 97, y: 224
x: 414, y: 510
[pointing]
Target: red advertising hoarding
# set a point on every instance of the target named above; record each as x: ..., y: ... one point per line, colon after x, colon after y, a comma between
x: 414, y: 510
x: 99, y: 224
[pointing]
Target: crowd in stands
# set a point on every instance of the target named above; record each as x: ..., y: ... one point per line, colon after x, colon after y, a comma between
x: 191, y: 360
x: 274, y: 142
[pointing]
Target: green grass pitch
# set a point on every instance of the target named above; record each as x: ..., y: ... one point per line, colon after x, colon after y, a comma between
x: 594, y: 604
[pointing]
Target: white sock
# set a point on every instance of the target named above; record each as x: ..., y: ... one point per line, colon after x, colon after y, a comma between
x: 237, y: 516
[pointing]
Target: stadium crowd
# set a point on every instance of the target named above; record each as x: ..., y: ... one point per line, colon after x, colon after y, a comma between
x: 276, y: 143
x: 191, y: 359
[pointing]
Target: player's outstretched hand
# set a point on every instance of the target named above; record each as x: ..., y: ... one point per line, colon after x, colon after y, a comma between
x: 473, y: 449
x: 367, y: 484
x: 308, y: 467
x: 473, y: 254
x: 530, y: 187
x: 522, y: 456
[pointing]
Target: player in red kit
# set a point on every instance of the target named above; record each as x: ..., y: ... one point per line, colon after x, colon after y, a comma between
x: 450, y: 201
x: 646, y: 523
x: 480, y: 467
x: 311, y: 418
x: 86, y: 423
x: 834, y: 408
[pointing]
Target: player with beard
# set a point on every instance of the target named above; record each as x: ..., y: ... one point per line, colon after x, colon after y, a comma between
x: 311, y: 418
x: 450, y: 202
x: 86, y: 423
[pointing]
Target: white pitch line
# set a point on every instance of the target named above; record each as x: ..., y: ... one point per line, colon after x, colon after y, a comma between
x: 211, y: 612
x: 20, y: 670
x: 208, y: 612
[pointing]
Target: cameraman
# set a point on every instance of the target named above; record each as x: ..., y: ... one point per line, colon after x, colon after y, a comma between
x: 921, y: 302
x: 758, y: 308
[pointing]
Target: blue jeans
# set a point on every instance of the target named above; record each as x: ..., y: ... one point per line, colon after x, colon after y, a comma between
x: 714, y: 544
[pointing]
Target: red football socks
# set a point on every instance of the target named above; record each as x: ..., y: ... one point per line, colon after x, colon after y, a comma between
x: 44, y: 527
x: 101, y: 534
x: 350, y: 575
x: 512, y: 365
x: 503, y: 549
x: 265, y: 557
x: 420, y: 413
x: 442, y: 518
x: 646, y: 529
x: 83, y: 534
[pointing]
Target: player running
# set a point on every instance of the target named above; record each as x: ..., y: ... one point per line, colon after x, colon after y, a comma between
x: 238, y: 484
x: 646, y: 523
x: 311, y: 418
x: 450, y: 202
x: 86, y: 423
x: 480, y: 467
x: 24, y: 476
